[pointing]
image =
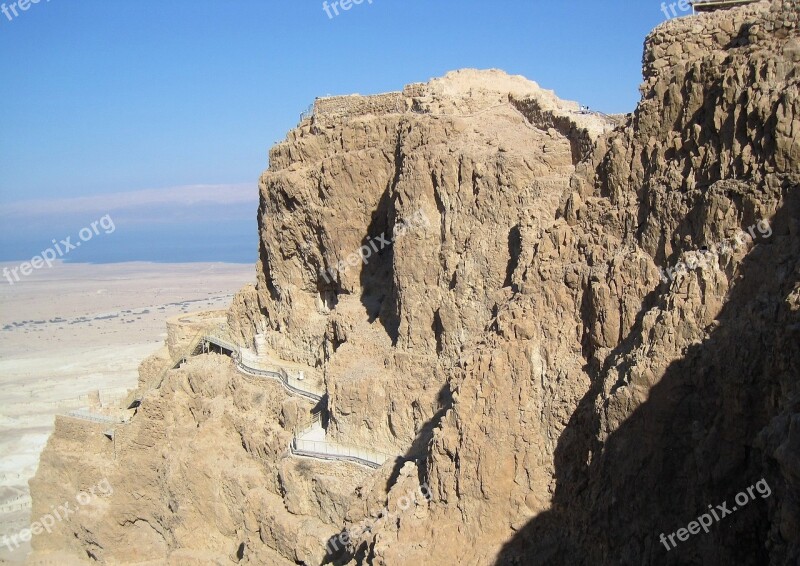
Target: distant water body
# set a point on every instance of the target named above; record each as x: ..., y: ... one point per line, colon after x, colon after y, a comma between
x: 232, y: 242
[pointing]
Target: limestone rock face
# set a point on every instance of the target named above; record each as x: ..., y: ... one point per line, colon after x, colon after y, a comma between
x: 390, y: 241
x: 652, y: 396
x: 572, y: 332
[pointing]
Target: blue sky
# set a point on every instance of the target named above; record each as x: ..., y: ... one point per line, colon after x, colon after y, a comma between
x: 102, y: 97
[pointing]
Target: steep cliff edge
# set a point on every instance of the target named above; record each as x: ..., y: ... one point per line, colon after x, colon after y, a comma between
x: 635, y: 398
x: 487, y: 280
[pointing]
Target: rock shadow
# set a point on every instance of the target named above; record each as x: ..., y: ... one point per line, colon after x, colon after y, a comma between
x: 378, y: 291
x: 696, y: 441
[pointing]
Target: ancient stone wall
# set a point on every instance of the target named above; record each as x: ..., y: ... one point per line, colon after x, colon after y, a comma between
x: 415, y: 90
x: 182, y: 330
x: 334, y: 108
x: 580, y: 139
x: 675, y: 44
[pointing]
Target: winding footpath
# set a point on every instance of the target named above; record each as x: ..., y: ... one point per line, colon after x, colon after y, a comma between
x: 310, y: 442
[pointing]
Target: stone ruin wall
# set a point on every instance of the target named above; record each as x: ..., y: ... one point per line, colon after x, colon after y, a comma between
x: 335, y: 108
x: 580, y: 139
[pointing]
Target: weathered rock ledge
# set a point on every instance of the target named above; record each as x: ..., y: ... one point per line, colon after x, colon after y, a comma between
x: 477, y: 272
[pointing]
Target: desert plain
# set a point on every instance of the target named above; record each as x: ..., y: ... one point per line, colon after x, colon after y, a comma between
x: 76, y: 331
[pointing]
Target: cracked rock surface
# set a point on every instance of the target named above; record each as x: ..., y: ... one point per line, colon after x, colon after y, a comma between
x: 516, y: 345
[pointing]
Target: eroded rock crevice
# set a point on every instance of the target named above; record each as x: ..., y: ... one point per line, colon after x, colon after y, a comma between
x: 525, y: 347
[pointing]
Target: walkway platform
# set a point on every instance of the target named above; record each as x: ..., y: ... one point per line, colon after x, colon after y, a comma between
x: 253, y: 365
x: 311, y: 443
x: 712, y: 5
x: 308, y: 441
x: 85, y: 415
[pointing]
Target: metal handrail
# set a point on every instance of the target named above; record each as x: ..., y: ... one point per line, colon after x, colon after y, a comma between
x: 221, y: 342
x: 710, y: 5
x: 292, y: 384
x: 280, y: 375
x: 174, y: 362
x: 325, y: 450
x: 311, y: 448
x: 332, y: 451
x: 309, y: 425
x: 307, y: 113
x: 94, y: 417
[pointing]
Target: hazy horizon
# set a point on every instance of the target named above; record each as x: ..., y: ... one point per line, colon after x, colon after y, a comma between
x: 105, y: 99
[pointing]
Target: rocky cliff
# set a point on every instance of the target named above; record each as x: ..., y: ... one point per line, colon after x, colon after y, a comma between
x: 571, y: 332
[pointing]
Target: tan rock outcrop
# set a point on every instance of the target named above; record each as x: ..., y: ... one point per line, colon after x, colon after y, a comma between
x: 485, y: 276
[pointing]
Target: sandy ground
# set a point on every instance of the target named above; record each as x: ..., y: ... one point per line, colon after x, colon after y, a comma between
x: 75, y: 329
